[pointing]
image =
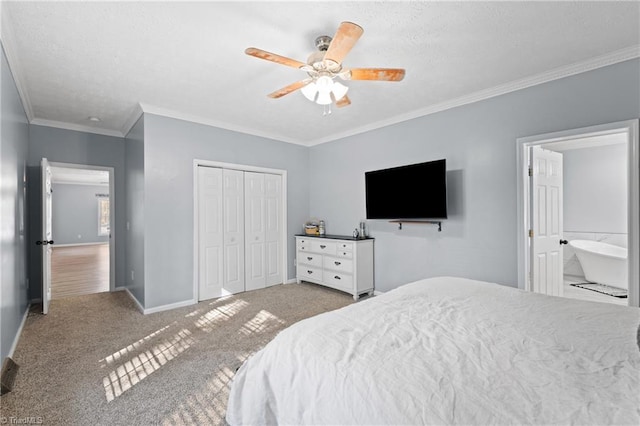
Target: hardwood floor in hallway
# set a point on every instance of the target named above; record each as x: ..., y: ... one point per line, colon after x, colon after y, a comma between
x: 79, y: 270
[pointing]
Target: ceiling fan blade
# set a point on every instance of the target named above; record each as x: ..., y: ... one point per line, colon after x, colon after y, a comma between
x: 268, y: 56
x: 380, y: 74
x: 346, y: 37
x: 288, y: 89
x: 343, y: 101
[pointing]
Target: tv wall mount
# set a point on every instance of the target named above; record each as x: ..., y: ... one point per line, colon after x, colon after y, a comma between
x: 429, y: 222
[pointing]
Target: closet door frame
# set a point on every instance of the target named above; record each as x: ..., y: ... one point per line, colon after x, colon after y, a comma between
x: 196, y: 209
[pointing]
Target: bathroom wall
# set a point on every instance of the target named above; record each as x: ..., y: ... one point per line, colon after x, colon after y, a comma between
x: 595, y: 199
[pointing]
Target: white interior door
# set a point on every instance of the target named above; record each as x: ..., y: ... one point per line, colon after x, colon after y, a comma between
x: 233, y: 195
x: 546, y: 222
x: 255, y: 275
x: 273, y: 228
x: 46, y: 241
x: 211, y: 266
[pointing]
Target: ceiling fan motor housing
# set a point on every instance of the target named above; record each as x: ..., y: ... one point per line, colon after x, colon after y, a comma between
x: 323, y: 42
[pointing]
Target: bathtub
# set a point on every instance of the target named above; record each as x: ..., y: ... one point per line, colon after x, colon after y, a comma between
x: 602, y: 263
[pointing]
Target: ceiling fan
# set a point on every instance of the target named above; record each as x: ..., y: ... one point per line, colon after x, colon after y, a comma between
x: 324, y: 65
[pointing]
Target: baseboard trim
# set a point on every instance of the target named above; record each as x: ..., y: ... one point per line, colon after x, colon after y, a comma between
x: 138, y: 305
x: 19, y: 332
x: 377, y: 292
x: 160, y: 308
x: 170, y: 306
x: 291, y: 281
x: 119, y: 289
x: 36, y: 300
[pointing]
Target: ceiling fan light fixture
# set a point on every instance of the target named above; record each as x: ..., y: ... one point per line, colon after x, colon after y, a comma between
x: 324, y: 90
x: 324, y: 84
x: 309, y: 91
x: 339, y: 90
x: 324, y: 98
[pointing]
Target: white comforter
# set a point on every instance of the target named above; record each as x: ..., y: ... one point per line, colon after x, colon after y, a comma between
x: 448, y: 351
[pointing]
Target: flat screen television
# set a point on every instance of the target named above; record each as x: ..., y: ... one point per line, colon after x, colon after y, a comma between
x: 415, y: 191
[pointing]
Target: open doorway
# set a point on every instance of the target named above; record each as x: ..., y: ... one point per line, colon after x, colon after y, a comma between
x: 594, y: 225
x: 578, y: 213
x: 81, y: 221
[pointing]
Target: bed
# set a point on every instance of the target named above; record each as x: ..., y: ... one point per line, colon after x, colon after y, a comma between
x: 448, y: 351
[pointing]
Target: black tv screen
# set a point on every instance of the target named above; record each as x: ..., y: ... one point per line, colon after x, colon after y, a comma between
x: 416, y: 191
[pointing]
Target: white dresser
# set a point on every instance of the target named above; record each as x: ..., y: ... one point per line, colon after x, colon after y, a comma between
x: 336, y: 261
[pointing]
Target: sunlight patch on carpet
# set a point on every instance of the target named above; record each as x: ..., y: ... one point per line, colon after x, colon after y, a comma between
x: 263, y: 321
x: 132, y: 347
x: 136, y: 369
x: 223, y: 313
x: 206, y: 406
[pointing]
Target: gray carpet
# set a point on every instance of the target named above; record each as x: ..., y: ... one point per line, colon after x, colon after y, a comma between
x: 96, y: 360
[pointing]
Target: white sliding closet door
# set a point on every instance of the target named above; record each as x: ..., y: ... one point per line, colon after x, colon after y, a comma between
x: 233, y: 196
x: 273, y: 228
x: 211, y: 266
x: 255, y: 276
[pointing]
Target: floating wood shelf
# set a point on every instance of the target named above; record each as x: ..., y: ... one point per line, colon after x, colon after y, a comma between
x: 429, y: 222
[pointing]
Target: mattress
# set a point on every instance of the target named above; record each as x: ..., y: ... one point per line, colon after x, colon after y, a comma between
x: 448, y: 351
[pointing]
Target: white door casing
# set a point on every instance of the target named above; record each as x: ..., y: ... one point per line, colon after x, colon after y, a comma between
x: 546, y: 222
x: 233, y: 205
x: 210, y: 250
x: 273, y: 229
x: 46, y: 234
x: 255, y: 276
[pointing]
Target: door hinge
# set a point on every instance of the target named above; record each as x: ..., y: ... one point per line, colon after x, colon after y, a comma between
x: 530, y: 171
x: 530, y: 233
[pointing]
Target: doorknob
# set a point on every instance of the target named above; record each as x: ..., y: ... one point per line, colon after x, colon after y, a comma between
x: 564, y: 242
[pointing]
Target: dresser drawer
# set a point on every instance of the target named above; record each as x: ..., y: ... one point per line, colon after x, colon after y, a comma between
x: 338, y: 264
x: 303, y: 245
x: 345, y: 254
x: 310, y: 259
x: 303, y: 241
x: 324, y: 247
x: 338, y: 280
x: 312, y: 272
x: 345, y: 246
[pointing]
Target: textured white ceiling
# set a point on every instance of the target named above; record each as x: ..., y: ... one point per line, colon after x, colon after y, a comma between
x: 73, y: 60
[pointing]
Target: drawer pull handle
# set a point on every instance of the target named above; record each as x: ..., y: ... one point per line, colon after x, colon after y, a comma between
x: 309, y: 258
x: 338, y: 263
x: 323, y: 246
x: 309, y: 272
x: 337, y: 277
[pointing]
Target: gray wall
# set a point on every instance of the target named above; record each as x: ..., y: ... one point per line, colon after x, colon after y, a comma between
x: 134, y: 191
x: 595, y: 189
x: 479, y: 142
x: 170, y: 146
x: 69, y: 146
x: 14, y: 136
x: 75, y: 213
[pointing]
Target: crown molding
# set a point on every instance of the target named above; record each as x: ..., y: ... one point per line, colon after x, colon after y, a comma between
x: 8, y: 44
x: 612, y: 58
x: 76, y: 127
x: 134, y: 116
x: 165, y: 112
